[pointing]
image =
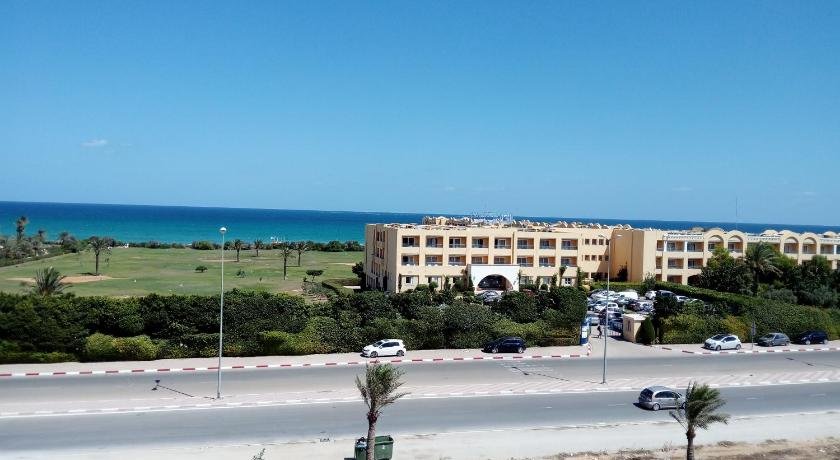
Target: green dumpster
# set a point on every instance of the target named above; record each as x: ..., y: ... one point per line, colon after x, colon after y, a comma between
x: 383, y: 448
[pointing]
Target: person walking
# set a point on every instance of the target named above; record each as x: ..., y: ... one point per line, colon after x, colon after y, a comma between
x: 599, y: 331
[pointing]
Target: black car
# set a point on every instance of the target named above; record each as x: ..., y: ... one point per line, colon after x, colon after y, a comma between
x: 509, y: 344
x: 807, y: 338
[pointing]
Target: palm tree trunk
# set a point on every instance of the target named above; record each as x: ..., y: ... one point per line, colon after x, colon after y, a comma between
x: 284, y: 267
x: 689, y: 450
x: 96, y: 271
x: 371, y: 439
x: 237, y: 255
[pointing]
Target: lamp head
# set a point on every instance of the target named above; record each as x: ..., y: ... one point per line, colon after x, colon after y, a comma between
x: 223, y: 230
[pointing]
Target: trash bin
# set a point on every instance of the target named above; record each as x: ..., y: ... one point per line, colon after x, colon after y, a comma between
x: 383, y: 448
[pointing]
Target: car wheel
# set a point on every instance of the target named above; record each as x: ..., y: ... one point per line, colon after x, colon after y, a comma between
x: 400, y: 353
x: 494, y: 350
x: 374, y: 354
x: 655, y: 406
x: 786, y: 344
x: 682, y: 405
x: 738, y: 347
x: 807, y: 342
x: 824, y: 341
x: 520, y: 350
x: 717, y: 348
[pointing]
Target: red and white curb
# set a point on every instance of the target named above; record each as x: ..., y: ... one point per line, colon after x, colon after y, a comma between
x: 297, y: 365
x: 748, y: 352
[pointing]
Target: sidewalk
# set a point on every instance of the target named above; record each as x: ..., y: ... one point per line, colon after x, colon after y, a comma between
x: 266, y: 362
x: 502, y: 443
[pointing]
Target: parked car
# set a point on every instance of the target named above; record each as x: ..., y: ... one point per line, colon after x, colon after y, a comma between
x: 650, y: 295
x: 629, y: 294
x: 659, y: 397
x: 681, y: 298
x: 593, y: 318
x: 489, y: 296
x: 509, y: 344
x: 385, y: 347
x: 664, y: 293
x: 723, y: 342
x: 809, y: 337
x: 772, y: 339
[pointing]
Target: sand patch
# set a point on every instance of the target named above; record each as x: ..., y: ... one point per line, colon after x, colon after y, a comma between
x: 71, y: 279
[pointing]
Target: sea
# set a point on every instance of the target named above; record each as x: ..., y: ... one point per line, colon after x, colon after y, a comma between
x: 184, y: 224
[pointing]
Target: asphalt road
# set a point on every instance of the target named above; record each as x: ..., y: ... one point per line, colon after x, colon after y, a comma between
x: 284, y: 380
x: 341, y: 420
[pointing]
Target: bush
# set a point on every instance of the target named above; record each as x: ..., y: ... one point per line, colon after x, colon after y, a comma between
x: 100, y: 347
x: 201, y: 268
x: 337, y: 285
x: 204, y: 245
x: 140, y: 348
x: 646, y: 334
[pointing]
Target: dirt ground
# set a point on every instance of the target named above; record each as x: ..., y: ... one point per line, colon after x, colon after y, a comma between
x: 822, y: 449
x: 70, y: 279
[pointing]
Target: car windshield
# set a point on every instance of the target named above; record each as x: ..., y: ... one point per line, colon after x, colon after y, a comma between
x: 379, y: 344
x: 768, y: 337
x: 647, y: 393
x: 719, y: 337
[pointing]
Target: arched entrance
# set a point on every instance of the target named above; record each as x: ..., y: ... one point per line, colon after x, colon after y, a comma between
x: 494, y: 282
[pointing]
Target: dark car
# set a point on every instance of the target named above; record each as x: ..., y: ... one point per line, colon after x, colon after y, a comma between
x: 807, y: 338
x: 772, y: 339
x: 506, y: 344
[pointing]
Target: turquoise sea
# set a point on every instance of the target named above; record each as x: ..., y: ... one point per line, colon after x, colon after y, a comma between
x: 183, y: 224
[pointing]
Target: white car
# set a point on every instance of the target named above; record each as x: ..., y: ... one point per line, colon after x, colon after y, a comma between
x: 650, y: 295
x: 629, y: 294
x: 385, y: 347
x: 723, y: 342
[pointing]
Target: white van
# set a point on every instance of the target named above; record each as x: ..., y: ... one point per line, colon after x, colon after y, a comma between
x: 629, y: 294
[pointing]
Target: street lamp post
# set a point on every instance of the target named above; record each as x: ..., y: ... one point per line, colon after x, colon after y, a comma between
x: 607, y: 315
x: 222, y: 230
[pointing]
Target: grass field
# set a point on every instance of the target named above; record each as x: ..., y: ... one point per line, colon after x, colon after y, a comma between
x: 140, y: 271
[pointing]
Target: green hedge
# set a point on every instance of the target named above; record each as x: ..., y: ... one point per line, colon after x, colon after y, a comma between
x: 337, y: 285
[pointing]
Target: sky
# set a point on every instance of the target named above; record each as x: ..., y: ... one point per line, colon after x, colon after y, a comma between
x: 635, y: 110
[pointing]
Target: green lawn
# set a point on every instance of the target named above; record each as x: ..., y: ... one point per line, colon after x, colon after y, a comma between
x: 140, y: 271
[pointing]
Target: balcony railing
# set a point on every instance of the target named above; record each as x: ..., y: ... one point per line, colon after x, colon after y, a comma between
x: 457, y: 246
x: 479, y: 246
x: 431, y: 245
x: 523, y: 264
x: 544, y: 264
x: 568, y: 247
x: 434, y: 264
x: 456, y: 264
x: 524, y: 246
x: 545, y: 246
x: 502, y: 246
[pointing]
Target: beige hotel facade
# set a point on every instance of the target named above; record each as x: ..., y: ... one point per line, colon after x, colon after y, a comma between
x: 499, y: 254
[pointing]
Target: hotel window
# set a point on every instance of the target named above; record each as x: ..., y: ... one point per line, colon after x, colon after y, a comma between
x: 410, y: 279
x: 524, y: 244
x: 409, y: 260
x: 479, y: 243
x: 522, y: 262
x: 586, y: 257
x: 500, y: 260
x: 526, y: 280
x: 566, y: 262
x: 502, y: 243
x: 457, y: 242
x: 456, y: 260
x: 433, y: 279
x: 547, y: 243
x: 409, y: 242
x: 433, y: 261
x: 545, y: 262
x: 712, y: 247
x: 567, y: 281
x: 478, y: 260
x: 586, y: 241
x: 672, y: 246
x: 607, y: 242
x: 434, y: 242
x: 600, y: 258
x: 600, y: 241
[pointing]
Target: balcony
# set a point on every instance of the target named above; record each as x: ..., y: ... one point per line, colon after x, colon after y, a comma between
x: 479, y: 246
x: 436, y: 263
x: 457, y: 246
x: 568, y: 247
x: 524, y: 246
x: 434, y: 245
x: 501, y: 246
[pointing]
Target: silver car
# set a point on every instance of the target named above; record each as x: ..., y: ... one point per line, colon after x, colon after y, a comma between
x: 659, y: 397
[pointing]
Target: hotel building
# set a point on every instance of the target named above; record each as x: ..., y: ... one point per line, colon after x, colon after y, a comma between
x: 499, y: 254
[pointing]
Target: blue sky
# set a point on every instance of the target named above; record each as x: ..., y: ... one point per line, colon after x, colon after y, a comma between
x: 657, y: 110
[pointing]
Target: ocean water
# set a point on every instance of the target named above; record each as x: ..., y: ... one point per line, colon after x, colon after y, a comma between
x: 183, y: 224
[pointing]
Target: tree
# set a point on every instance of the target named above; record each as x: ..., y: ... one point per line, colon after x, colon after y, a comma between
x: 699, y: 411
x: 48, y: 282
x: 286, y: 250
x: 42, y: 235
x: 648, y: 284
x: 237, y: 246
x: 258, y: 244
x: 725, y: 273
x: 97, y: 245
x: 20, y: 227
x: 378, y: 390
x: 359, y: 271
x: 314, y: 273
x: 646, y: 334
x: 300, y: 248
x: 761, y: 259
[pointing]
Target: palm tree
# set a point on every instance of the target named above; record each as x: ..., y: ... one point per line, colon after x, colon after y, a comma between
x: 97, y: 245
x: 301, y: 247
x: 762, y: 259
x: 237, y: 245
x: 258, y: 244
x: 286, y: 250
x: 20, y: 227
x: 378, y: 390
x: 48, y: 282
x: 699, y: 411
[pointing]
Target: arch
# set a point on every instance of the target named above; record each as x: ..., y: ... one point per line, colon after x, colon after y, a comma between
x: 715, y: 239
x: 791, y: 240
x: 495, y: 282
x: 809, y: 240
